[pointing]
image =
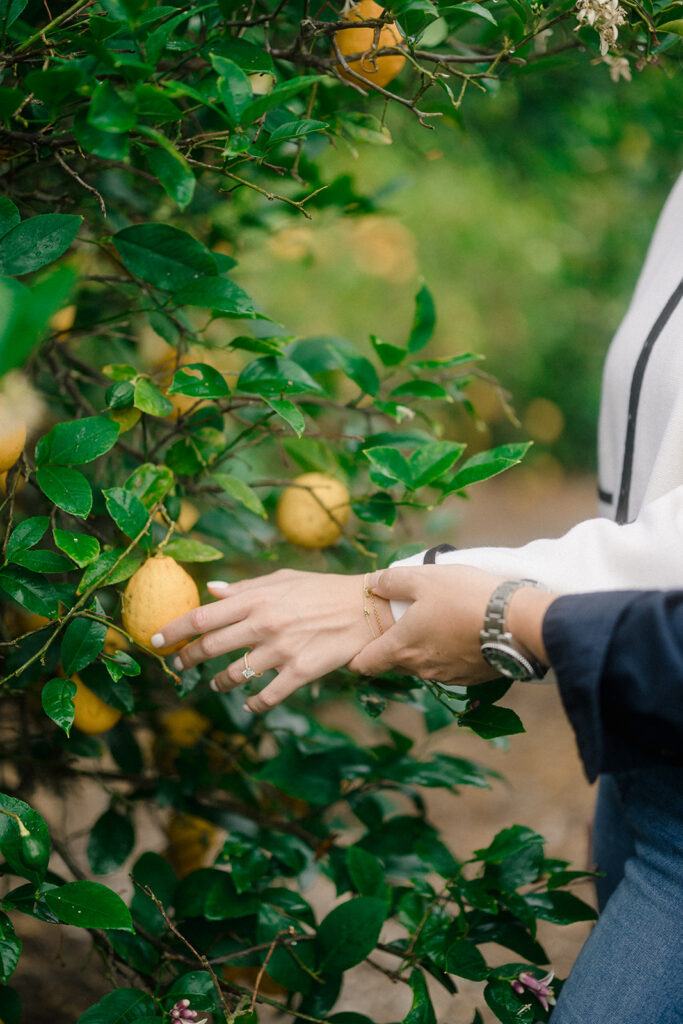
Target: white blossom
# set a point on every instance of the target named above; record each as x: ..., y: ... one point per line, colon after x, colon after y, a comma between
x: 605, y: 16
x: 619, y: 67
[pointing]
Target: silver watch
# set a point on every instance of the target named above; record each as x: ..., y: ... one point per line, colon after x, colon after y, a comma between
x: 498, y: 647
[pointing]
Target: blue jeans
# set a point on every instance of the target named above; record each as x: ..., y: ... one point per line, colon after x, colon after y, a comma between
x: 630, y: 971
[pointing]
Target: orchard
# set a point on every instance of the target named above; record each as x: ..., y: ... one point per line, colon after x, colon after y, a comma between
x: 160, y: 429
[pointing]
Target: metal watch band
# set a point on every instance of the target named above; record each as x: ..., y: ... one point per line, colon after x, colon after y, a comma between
x: 495, y: 635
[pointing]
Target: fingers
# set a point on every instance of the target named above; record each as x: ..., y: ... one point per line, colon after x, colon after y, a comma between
x: 200, y: 620
x: 259, y: 661
x: 397, y: 584
x: 212, y: 645
x: 376, y: 657
x: 282, y: 686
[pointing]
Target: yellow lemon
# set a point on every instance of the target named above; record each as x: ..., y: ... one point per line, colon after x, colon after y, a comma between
x: 92, y: 715
x: 115, y: 641
x: 184, y: 727
x: 379, y: 70
x: 190, y: 843
x: 158, y: 592
x: 12, y: 435
x: 312, y: 512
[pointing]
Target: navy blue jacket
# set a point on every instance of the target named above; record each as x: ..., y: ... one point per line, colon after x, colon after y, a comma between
x: 618, y: 657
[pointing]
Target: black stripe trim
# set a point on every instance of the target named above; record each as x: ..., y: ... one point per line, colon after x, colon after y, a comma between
x: 634, y: 398
x: 440, y: 549
x: 605, y: 496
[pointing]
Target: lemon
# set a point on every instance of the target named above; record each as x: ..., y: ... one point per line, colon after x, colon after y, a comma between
x: 92, y: 715
x: 378, y: 70
x: 184, y: 727
x: 190, y: 842
x: 115, y: 641
x: 12, y: 436
x: 313, y: 511
x: 158, y: 592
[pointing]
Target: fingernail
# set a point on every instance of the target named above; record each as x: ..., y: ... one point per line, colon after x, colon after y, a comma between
x: 373, y: 579
x: 218, y: 584
x: 245, y: 707
x: 177, y: 663
x: 214, y: 686
x: 157, y: 640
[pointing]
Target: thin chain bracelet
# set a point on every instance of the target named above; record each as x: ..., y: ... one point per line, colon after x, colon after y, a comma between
x: 369, y: 593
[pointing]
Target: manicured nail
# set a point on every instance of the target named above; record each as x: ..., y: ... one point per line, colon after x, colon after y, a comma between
x: 177, y: 664
x: 218, y: 584
x: 213, y: 685
x: 373, y: 579
x: 157, y: 640
x: 245, y: 707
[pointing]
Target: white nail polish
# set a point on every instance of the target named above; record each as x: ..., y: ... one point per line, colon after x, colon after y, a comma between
x: 218, y: 584
x: 177, y: 664
x: 245, y: 707
x: 157, y: 640
x: 214, y: 686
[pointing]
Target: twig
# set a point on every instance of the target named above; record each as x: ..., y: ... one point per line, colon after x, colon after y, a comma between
x: 89, y: 188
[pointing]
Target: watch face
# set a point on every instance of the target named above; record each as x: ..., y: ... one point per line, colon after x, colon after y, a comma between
x: 506, y: 661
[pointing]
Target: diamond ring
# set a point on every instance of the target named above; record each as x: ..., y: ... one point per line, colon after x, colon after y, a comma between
x: 248, y: 672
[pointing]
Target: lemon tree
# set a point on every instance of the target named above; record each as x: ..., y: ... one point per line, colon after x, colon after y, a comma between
x: 156, y: 421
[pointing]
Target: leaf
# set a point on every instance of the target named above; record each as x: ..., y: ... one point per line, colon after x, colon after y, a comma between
x: 89, y: 905
x: 367, y: 873
x: 432, y: 460
x: 219, y: 294
x: 10, y: 949
x: 30, y: 590
x: 275, y: 375
x: 199, y: 988
x: 421, y: 389
x: 560, y: 907
x: 56, y: 697
x: 463, y: 959
x: 278, y: 95
x: 25, y: 313
x: 478, y: 9
x: 111, y: 109
x: 163, y: 255
x: 67, y: 488
x: 421, y: 1011
x: 80, y: 547
x: 676, y: 27
x: 26, y: 849
x: 11, y: 1003
x: 9, y: 215
x: 149, y: 399
x: 508, y: 842
x: 349, y: 933
x: 43, y: 561
x: 150, y: 483
x: 111, y: 842
x: 290, y: 413
x: 106, y: 145
x: 123, y: 1006
x: 508, y: 1007
x: 173, y: 171
x: 53, y: 85
x: 26, y: 534
x: 240, y: 492
x: 391, y: 463
x: 127, y: 511
x: 295, y: 130
x: 359, y: 369
x: 36, y: 242
x: 102, y: 571
x: 76, y: 443
x: 234, y: 87
x: 183, y: 549
x: 199, y: 380
x: 82, y: 642
x: 491, y: 721
x: 486, y: 464
x: 424, y: 321
x: 389, y: 355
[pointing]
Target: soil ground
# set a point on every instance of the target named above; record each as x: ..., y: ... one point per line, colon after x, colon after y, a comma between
x: 545, y: 789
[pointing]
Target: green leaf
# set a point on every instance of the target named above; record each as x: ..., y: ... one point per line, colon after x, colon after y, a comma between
x: 163, y: 255
x: 80, y: 547
x: 220, y: 295
x: 359, y: 369
x: 421, y: 389
x: 295, y: 130
x: 67, y: 488
x: 57, y: 700
x: 36, y: 242
x: 676, y: 27
x: 423, y: 322
x: 507, y: 1006
x: 199, y: 988
x: 127, y: 511
x: 11, y: 1003
x: 25, y: 313
x: 290, y: 413
x: 432, y: 460
x: 391, y: 463
x: 199, y: 380
x: 491, y: 721
x: 82, y: 642
x: 103, y: 573
x: 120, y: 395
x: 487, y: 464
x: 367, y: 873
x: 9, y: 215
x: 43, y: 561
x: 30, y: 590
x: 240, y: 492
x: 275, y: 375
x: 508, y: 842
x: 389, y: 355
x: 74, y: 444
x: 234, y: 87
x: 349, y: 933
x: 150, y: 483
x: 53, y: 85
x: 26, y: 849
x: 10, y: 10
x: 149, y: 399
x: 111, y: 109
x: 123, y: 1006
x: 26, y: 534
x: 183, y: 549
x: 111, y: 842
x: 421, y: 1011
x: 106, y: 145
x: 278, y: 95
x: 560, y: 907
x: 10, y: 949
x: 173, y: 171
x: 89, y: 905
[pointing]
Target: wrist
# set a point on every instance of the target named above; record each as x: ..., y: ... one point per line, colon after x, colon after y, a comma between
x: 524, y: 619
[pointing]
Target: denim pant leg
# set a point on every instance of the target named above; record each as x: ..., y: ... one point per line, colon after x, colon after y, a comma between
x: 630, y: 970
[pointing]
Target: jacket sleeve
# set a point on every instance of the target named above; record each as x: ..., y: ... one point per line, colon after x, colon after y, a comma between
x: 597, y: 554
x: 618, y: 658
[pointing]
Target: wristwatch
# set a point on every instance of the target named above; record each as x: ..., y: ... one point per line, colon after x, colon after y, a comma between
x: 498, y: 647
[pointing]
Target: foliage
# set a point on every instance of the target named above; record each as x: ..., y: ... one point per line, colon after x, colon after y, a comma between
x: 163, y: 380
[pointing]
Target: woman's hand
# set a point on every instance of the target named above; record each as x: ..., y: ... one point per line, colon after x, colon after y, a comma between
x: 438, y: 636
x: 302, y: 624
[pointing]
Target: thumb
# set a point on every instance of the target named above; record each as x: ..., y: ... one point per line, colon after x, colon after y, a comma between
x: 376, y: 657
x: 394, y: 584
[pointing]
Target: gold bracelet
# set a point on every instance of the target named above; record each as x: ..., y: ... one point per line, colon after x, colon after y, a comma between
x: 366, y: 611
x: 369, y: 593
